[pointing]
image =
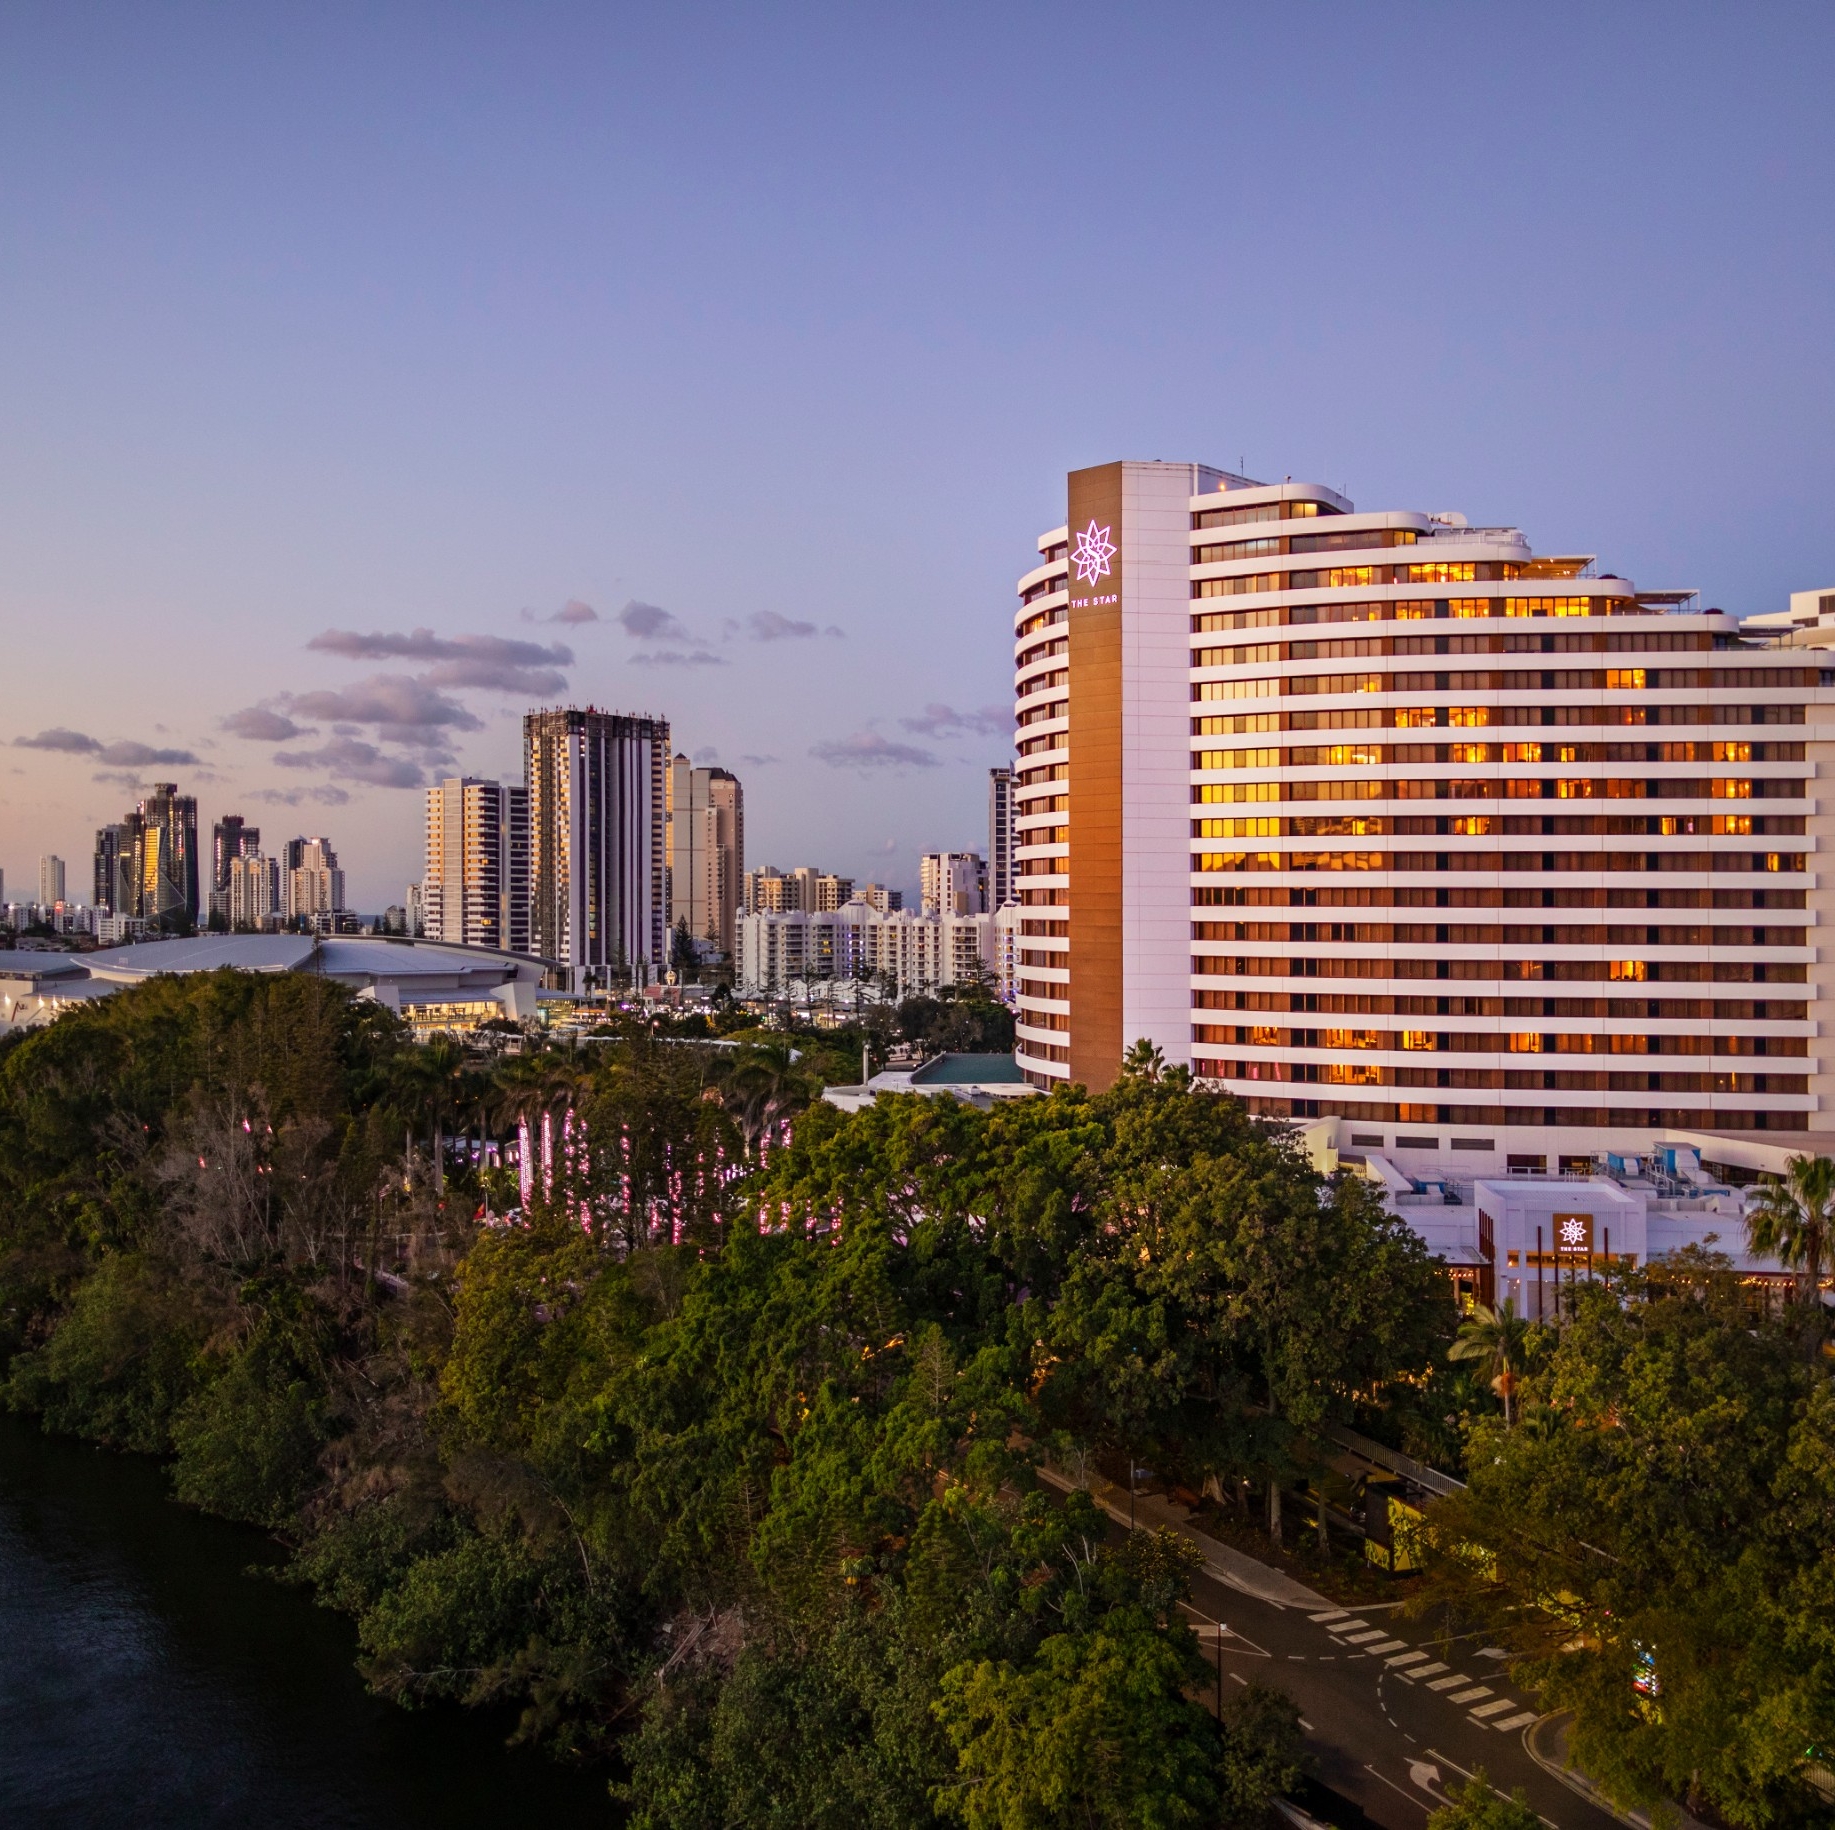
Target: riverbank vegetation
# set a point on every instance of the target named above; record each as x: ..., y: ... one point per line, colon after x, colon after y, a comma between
x: 708, y: 1435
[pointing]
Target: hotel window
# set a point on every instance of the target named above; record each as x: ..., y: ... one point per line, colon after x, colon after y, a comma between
x: 1549, y: 606
x: 1341, y: 543
x: 1223, y: 792
x: 1236, y: 759
x: 1238, y: 549
x: 1443, y: 572
x: 1236, y: 657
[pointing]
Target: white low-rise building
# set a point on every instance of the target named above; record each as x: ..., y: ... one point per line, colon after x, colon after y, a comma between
x: 1527, y: 1229
x: 433, y: 987
x: 912, y: 952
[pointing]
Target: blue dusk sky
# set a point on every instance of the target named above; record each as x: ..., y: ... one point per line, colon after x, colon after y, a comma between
x: 371, y: 373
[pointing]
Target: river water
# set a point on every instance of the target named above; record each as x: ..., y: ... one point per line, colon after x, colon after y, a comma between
x: 148, y: 1680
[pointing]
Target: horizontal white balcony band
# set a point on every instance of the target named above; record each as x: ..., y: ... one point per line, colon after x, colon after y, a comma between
x: 1488, y: 806
x: 1275, y: 878
x: 1045, y: 664
x: 1765, y: 1028
x: 1526, y: 1060
x: 1498, y: 696
x: 1551, y: 952
x: 1492, y: 806
x: 1705, y: 990
x: 1729, y: 1104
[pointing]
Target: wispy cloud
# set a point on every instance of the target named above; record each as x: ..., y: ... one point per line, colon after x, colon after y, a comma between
x: 945, y: 721
x: 869, y: 750
x: 759, y: 762
x: 675, y: 657
x: 573, y: 611
x: 488, y: 663
x: 263, y: 725
x: 356, y: 761
x: 121, y: 755
x: 324, y: 795
x: 768, y: 626
x: 72, y: 743
x: 648, y: 622
x: 143, y: 756
x: 424, y: 645
x: 395, y: 702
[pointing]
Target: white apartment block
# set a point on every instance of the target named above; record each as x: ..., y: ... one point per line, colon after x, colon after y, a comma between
x: 253, y: 896
x: 952, y: 883
x: 1397, y: 827
x: 914, y: 953
x: 475, y: 888
x: 769, y: 891
x: 312, y: 884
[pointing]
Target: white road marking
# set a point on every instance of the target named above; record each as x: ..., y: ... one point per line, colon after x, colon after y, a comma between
x: 1427, y: 1776
x: 1472, y: 1695
x: 1448, y: 1683
x: 1388, y: 1645
x: 1349, y: 1626
x: 1360, y: 1639
x: 1491, y: 1709
x: 1390, y: 1783
x: 1428, y: 1670
x: 1336, y: 1614
x: 1405, y: 1658
x: 1522, y: 1721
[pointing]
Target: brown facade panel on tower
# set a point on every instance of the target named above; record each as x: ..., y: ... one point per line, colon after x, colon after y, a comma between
x: 1095, y: 784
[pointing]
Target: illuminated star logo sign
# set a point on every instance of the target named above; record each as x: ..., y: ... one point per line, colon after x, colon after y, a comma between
x: 1092, y: 553
x: 1573, y: 1232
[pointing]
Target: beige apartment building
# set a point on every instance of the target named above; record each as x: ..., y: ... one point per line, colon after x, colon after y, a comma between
x: 1389, y: 820
x: 706, y: 852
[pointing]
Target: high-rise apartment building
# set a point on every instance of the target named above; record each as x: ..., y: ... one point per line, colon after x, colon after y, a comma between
x: 598, y: 801
x: 230, y: 838
x: 113, y: 886
x: 706, y: 852
x: 1387, y: 819
x: 769, y: 891
x: 251, y: 896
x: 50, y: 881
x: 475, y: 891
x: 952, y: 883
x: 311, y: 885
x: 1000, y: 838
x: 166, y: 858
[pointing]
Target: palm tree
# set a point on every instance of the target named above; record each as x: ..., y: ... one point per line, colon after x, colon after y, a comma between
x: 1500, y: 1339
x: 1143, y: 1061
x: 428, y: 1078
x: 765, y: 1084
x: 1790, y: 1220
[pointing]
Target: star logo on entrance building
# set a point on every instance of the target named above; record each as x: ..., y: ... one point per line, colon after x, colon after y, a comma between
x: 1573, y: 1233
x: 1092, y: 553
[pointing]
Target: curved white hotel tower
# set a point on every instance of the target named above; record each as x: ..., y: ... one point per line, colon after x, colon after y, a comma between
x: 1386, y: 819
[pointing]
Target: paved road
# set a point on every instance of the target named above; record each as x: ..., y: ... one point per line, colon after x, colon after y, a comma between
x: 1391, y: 1717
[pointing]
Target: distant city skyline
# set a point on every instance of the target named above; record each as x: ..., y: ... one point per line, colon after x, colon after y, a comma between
x: 371, y: 383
